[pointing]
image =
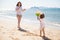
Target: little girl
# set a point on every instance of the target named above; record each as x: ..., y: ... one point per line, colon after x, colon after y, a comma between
x: 40, y: 17
x: 42, y: 25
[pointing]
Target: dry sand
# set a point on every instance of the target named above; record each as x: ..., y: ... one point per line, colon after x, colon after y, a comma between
x: 9, y: 31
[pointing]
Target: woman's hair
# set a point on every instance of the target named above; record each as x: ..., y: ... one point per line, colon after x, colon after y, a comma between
x: 18, y: 4
x: 42, y: 16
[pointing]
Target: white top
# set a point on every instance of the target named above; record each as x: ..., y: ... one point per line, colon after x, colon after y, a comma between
x: 42, y: 23
x: 19, y: 10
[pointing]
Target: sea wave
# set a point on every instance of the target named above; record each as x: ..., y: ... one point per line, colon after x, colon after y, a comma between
x: 31, y: 21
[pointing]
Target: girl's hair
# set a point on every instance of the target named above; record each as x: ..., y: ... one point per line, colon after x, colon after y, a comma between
x: 42, y: 16
x: 18, y: 4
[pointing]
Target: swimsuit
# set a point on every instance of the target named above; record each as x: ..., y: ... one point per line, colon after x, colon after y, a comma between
x: 20, y: 10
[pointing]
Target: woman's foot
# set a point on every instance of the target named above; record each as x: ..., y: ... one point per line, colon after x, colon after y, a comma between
x: 40, y: 35
x: 19, y: 28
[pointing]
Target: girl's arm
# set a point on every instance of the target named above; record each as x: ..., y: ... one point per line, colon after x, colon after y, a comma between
x: 40, y: 20
x: 38, y: 17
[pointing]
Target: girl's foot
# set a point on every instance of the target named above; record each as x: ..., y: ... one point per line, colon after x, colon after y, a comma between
x: 43, y: 35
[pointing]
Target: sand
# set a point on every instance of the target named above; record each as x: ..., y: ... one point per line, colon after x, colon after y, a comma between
x: 9, y: 31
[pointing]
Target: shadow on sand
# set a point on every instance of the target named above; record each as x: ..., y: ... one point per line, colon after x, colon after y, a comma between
x: 23, y: 30
x: 28, y: 33
x: 45, y: 38
x: 32, y: 34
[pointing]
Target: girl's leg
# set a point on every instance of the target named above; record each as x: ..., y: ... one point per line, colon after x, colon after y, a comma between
x: 40, y: 31
x: 43, y: 32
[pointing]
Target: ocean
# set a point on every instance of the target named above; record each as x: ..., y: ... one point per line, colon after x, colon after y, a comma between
x: 51, y: 14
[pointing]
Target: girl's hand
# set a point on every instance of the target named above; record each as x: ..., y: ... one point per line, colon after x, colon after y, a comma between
x: 38, y: 17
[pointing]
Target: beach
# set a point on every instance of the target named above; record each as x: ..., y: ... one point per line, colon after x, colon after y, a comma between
x: 29, y: 12
x: 9, y: 30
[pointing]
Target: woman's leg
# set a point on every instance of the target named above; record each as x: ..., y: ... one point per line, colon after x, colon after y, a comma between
x: 19, y: 20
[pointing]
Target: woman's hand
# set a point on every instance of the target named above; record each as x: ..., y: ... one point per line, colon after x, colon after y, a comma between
x: 18, y: 10
x: 23, y: 9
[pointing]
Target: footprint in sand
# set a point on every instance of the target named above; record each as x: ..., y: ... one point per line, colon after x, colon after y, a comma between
x: 1, y: 26
x: 16, y: 39
x: 3, y: 32
x: 13, y: 38
x: 30, y: 34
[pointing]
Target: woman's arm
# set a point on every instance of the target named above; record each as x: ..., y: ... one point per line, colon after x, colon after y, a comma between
x: 23, y: 9
x: 17, y: 9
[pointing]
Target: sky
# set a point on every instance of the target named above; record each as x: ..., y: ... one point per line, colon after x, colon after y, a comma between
x: 11, y: 4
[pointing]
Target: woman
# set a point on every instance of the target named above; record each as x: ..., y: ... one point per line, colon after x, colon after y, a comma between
x: 19, y: 13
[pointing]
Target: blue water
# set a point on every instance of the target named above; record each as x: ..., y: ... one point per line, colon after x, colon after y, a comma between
x: 51, y: 14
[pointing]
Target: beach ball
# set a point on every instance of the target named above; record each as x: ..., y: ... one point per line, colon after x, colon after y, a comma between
x: 38, y: 13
